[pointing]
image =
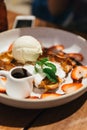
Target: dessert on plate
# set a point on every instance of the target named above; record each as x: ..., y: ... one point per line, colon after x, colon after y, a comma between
x: 56, y: 70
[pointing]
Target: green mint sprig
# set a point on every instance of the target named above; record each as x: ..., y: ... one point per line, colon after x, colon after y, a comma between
x: 43, y: 65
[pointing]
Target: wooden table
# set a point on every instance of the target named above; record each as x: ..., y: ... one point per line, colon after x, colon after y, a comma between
x: 71, y: 116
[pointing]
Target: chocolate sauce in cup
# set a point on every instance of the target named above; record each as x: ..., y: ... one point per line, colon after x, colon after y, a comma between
x: 20, y: 73
x: 19, y: 82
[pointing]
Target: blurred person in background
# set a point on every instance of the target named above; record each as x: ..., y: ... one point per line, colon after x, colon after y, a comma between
x: 80, y: 17
x: 40, y: 10
x: 69, y: 14
x: 77, y: 15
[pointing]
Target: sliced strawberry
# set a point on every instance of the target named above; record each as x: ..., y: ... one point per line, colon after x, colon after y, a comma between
x: 56, y: 47
x: 2, y: 89
x: 79, y: 72
x: 69, y: 88
x: 50, y: 95
x: 32, y: 97
x: 3, y: 79
x: 76, y: 56
x: 10, y: 47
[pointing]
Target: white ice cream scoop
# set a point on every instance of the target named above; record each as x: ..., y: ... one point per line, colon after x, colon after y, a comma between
x: 26, y: 48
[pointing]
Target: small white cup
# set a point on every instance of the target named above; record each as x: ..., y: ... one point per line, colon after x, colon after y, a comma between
x: 19, y: 82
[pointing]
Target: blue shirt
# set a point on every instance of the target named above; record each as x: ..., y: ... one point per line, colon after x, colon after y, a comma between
x: 40, y: 10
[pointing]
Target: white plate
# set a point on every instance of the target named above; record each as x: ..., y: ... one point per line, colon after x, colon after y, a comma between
x: 48, y: 37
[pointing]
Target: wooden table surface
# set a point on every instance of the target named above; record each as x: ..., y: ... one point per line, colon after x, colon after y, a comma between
x: 71, y: 116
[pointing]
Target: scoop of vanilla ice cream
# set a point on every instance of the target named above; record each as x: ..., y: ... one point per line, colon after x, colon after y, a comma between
x: 26, y: 48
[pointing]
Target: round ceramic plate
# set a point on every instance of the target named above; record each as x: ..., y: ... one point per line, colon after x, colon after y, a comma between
x: 48, y: 37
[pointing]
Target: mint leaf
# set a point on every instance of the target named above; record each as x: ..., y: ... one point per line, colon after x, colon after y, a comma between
x: 40, y: 63
x: 44, y: 60
x: 48, y: 68
x: 52, y: 66
x: 36, y: 69
x: 50, y: 75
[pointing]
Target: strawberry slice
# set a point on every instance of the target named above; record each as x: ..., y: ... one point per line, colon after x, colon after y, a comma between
x: 56, y: 47
x: 4, y: 79
x: 76, y: 56
x: 10, y: 47
x: 79, y: 72
x: 69, y: 88
x: 49, y: 95
x: 2, y: 89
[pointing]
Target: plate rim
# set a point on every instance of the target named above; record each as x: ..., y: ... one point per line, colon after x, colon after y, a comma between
x: 44, y: 100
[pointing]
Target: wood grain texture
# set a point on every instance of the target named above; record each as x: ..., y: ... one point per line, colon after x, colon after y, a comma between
x: 71, y: 116
x: 15, y: 117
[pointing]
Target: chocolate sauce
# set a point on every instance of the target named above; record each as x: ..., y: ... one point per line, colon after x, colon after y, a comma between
x: 20, y: 73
